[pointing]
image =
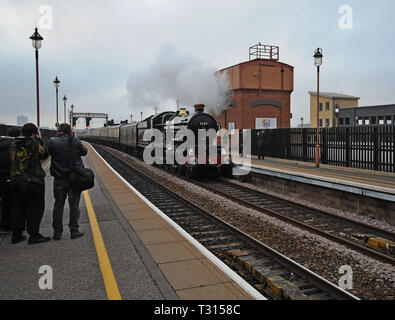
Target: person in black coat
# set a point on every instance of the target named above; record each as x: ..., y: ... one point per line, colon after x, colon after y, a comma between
x: 261, y: 145
x: 28, y: 185
x: 5, y: 183
x: 63, y: 157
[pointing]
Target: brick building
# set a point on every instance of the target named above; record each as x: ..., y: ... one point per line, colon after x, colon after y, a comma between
x: 262, y: 90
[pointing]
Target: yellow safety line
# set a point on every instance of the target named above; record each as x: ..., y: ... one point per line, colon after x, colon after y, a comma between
x: 349, y: 178
x: 110, y: 282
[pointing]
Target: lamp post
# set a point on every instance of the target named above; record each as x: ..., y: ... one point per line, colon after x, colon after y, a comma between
x: 141, y: 114
x: 337, y: 110
x: 56, y: 83
x: 318, y: 62
x: 71, y: 115
x: 64, y: 110
x: 36, y: 42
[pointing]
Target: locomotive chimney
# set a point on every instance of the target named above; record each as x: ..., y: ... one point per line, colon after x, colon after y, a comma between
x: 199, y: 107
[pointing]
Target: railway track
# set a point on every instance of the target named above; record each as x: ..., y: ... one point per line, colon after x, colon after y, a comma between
x: 272, y: 273
x: 364, y: 238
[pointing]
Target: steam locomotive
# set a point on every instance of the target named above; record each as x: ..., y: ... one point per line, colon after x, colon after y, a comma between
x: 134, y: 139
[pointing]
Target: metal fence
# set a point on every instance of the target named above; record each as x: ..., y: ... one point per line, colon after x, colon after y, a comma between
x: 364, y: 147
x: 46, y: 134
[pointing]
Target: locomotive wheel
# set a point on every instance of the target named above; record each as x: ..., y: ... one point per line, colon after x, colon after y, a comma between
x: 173, y: 169
x: 188, y: 172
x: 180, y: 170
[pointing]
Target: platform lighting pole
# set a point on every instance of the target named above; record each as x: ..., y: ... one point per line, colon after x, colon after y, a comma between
x: 141, y: 115
x: 318, y: 62
x: 64, y: 110
x: 56, y: 83
x: 36, y: 41
x: 71, y: 115
x: 337, y: 110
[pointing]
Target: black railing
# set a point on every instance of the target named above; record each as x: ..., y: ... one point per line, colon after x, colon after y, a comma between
x: 364, y: 147
x: 46, y: 134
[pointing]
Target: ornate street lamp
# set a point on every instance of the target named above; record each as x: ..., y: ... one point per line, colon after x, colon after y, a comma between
x: 64, y: 101
x: 56, y: 83
x: 318, y: 62
x: 36, y: 42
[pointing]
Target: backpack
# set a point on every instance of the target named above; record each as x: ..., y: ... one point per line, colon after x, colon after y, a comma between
x: 25, y: 162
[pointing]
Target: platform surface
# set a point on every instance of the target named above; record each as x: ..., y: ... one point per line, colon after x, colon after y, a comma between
x: 371, y: 180
x: 147, y: 258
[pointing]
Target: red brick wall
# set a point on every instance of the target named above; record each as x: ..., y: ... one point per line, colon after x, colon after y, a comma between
x: 276, y: 82
x: 244, y: 115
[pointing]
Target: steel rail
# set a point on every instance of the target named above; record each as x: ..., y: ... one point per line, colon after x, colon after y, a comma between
x: 361, y: 248
x: 302, y: 272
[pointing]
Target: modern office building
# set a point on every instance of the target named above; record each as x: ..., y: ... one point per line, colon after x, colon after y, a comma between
x: 21, y: 120
x: 370, y: 115
x: 328, y: 103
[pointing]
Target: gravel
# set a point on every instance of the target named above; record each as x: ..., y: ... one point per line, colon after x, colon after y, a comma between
x: 372, y: 279
x: 373, y: 221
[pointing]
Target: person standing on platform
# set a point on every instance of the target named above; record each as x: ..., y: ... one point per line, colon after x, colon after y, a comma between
x: 66, y: 151
x: 261, y: 145
x: 5, y: 182
x: 28, y: 185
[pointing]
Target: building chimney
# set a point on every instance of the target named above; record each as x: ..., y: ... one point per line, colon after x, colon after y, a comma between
x: 199, y: 107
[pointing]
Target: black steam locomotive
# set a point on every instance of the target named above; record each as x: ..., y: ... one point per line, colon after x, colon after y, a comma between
x: 135, y: 138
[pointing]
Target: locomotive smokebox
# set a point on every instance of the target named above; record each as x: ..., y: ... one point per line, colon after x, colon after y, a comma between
x: 199, y: 107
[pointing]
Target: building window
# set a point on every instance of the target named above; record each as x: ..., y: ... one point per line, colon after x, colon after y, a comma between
x: 366, y: 121
x: 373, y: 120
x: 381, y: 120
x: 388, y: 120
x: 326, y: 122
x: 327, y: 106
x: 320, y: 106
x: 347, y: 121
x: 320, y: 122
x: 341, y: 121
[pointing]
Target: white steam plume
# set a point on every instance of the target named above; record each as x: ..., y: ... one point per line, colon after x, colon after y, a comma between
x: 174, y: 75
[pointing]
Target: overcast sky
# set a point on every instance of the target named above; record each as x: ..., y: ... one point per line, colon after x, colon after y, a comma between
x: 98, y: 47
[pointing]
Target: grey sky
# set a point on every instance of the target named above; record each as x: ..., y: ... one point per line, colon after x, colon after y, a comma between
x: 96, y: 45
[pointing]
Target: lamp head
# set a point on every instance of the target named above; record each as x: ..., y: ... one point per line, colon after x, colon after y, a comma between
x: 56, y: 82
x: 318, y: 57
x: 36, y: 39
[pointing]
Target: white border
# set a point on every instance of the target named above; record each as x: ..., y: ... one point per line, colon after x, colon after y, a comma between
x: 229, y: 272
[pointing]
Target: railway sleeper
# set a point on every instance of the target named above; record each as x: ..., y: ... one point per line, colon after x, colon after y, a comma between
x: 272, y: 283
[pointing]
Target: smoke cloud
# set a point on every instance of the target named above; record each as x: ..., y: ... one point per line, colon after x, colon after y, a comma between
x: 174, y: 75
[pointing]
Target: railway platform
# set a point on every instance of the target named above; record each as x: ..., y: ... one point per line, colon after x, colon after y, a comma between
x: 129, y: 251
x: 363, y: 191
